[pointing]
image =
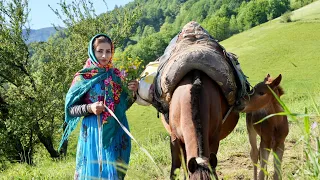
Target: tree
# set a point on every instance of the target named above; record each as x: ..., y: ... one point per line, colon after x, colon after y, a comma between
x: 218, y: 27
x: 17, y: 83
x: 148, y: 30
x: 252, y: 13
x: 33, y: 86
x: 149, y: 48
x: 233, y: 25
x: 277, y: 8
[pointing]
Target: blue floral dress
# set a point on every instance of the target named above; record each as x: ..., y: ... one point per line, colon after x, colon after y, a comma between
x: 93, y: 161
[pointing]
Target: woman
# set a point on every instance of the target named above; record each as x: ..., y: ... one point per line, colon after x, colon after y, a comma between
x: 103, y: 147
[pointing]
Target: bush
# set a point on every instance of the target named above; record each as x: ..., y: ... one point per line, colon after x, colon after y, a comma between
x: 286, y: 17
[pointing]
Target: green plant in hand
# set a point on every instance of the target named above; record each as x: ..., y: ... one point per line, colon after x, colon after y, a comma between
x: 131, y: 69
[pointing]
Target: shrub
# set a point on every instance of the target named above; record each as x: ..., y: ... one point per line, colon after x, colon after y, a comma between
x: 286, y: 17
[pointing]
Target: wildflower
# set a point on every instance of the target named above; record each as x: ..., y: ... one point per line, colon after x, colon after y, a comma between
x: 87, y: 75
x: 124, y: 73
x: 94, y: 72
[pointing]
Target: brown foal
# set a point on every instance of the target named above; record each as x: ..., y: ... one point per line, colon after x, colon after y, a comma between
x: 272, y: 131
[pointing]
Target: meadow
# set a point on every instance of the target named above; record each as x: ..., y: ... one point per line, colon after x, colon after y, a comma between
x: 290, y: 49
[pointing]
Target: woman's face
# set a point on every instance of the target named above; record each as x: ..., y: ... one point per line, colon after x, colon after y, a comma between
x: 103, y: 53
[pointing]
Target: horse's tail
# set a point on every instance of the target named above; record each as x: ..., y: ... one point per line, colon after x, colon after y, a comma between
x: 195, y: 108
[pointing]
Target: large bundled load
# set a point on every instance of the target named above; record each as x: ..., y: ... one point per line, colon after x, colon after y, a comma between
x: 146, y: 84
x: 194, y: 49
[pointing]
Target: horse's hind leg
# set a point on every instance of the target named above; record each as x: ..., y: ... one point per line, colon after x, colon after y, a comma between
x: 254, y: 153
x: 277, y: 161
x: 176, y: 150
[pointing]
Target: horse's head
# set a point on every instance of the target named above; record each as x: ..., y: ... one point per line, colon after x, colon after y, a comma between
x: 202, y: 167
x: 261, y: 96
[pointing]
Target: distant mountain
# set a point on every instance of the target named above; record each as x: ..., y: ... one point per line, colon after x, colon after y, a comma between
x: 40, y: 35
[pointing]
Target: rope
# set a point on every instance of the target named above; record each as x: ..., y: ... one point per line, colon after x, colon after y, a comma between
x: 99, y: 146
x: 131, y: 136
x: 226, y: 116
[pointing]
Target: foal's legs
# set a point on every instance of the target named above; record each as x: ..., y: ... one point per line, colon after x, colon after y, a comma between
x: 277, y: 164
x: 265, y: 147
x: 254, y: 153
x: 175, y: 156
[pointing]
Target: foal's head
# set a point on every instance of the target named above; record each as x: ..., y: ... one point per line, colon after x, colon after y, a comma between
x: 261, y: 96
x: 199, y: 167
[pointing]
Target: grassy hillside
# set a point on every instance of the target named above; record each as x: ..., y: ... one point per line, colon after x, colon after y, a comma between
x: 309, y: 12
x: 291, y: 49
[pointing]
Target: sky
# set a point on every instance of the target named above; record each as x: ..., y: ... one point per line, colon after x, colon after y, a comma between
x: 41, y: 16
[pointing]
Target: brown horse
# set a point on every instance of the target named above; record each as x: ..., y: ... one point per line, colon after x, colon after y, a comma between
x: 197, y: 109
x: 272, y: 131
x: 197, y: 84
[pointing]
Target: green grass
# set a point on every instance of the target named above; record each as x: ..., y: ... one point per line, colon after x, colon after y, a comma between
x: 44, y: 169
x: 308, y: 13
x: 291, y: 49
x: 150, y: 133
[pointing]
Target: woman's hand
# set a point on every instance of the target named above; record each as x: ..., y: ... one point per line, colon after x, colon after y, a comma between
x: 97, y: 108
x: 133, y: 85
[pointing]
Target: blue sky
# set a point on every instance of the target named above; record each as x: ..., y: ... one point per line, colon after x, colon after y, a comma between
x: 42, y: 16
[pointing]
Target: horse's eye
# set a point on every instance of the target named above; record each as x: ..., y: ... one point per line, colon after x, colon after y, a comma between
x: 261, y: 93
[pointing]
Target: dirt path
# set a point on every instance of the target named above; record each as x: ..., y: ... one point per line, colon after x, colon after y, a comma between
x: 239, y: 166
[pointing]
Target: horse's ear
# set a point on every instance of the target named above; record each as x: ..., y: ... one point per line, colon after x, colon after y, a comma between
x: 192, y: 165
x: 213, y: 160
x: 266, y: 79
x: 276, y: 82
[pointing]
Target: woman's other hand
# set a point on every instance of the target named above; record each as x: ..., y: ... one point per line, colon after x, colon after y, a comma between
x: 97, y: 108
x: 133, y: 85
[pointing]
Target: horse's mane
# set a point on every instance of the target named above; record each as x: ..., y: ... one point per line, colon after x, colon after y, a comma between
x: 281, y: 91
x: 201, y: 173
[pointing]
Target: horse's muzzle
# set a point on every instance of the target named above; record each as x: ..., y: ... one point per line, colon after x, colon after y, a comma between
x: 239, y: 106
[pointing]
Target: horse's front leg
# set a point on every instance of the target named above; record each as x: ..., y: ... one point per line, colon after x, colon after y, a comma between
x: 264, y: 156
x: 175, y: 156
x: 254, y: 153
